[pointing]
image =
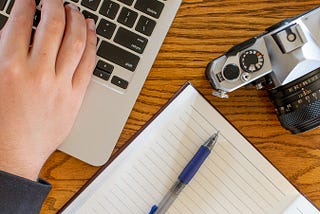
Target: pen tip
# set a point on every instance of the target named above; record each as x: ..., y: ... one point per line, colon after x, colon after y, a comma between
x: 215, y: 135
x: 212, y: 140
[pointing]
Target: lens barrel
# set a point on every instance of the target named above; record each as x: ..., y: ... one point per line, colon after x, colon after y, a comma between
x: 297, y: 104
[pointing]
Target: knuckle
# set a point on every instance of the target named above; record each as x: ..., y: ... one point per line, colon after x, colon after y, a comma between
x: 10, y: 71
x: 54, y: 24
x: 27, y: 4
x: 78, y: 43
x: 30, y: 3
x: 19, y: 19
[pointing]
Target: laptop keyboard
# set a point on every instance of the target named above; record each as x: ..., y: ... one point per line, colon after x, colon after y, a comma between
x: 124, y: 28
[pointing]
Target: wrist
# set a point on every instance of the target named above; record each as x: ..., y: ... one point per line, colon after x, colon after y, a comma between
x: 21, y: 167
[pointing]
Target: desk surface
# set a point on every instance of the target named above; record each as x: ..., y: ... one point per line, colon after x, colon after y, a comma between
x: 203, y: 30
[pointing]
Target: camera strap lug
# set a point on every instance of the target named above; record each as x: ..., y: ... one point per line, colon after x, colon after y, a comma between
x: 220, y: 93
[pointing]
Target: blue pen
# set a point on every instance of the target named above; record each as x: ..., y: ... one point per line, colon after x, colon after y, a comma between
x: 186, y: 175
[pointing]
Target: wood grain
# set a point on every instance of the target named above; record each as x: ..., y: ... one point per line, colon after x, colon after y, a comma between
x: 203, y: 30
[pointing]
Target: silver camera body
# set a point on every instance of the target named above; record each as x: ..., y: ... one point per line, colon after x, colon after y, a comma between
x: 278, y: 58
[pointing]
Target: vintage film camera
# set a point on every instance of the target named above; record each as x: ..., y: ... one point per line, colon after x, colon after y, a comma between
x: 285, y: 59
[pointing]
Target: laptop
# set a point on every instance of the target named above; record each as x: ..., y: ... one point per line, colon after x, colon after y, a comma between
x: 130, y: 34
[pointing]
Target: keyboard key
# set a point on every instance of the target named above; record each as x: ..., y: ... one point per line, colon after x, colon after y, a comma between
x: 33, y: 31
x: 91, y: 4
x: 2, y: 4
x: 119, y: 82
x: 127, y: 2
x: 10, y: 7
x: 145, y: 25
x: 3, y: 20
x: 109, y: 9
x: 98, y: 41
x: 89, y: 15
x: 127, y: 17
x: 130, y: 40
x: 105, y: 66
x: 150, y: 7
x: 101, y: 74
x: 118, y: 56
x: 36, y: 18
x: 103, y: 70
x: 106, y: 28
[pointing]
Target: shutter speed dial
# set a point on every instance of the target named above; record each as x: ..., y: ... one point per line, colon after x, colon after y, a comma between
x: 251, y: 61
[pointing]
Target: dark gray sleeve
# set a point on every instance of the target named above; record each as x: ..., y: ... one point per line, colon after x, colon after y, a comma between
x: 20, y: 195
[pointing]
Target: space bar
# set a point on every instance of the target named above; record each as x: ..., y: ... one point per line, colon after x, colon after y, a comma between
x: 118, y: 56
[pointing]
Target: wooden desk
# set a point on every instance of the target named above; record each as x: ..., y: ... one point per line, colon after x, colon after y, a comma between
x: 203, y: 30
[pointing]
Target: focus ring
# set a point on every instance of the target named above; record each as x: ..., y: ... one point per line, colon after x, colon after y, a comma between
x: 303, y: 119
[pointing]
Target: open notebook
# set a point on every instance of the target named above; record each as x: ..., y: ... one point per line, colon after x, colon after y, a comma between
x: 235, y: 178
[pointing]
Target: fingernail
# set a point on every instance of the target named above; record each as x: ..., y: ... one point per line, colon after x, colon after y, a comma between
x: 72, y: 6
x: 91, y: 24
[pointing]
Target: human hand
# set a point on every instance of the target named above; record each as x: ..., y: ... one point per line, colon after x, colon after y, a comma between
x: 42, y: 87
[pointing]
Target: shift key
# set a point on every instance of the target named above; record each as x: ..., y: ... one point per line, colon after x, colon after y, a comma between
x: 3, y: 20
x: 118, y: 56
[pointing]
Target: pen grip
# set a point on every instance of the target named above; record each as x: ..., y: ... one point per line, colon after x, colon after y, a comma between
x: 193, y: 166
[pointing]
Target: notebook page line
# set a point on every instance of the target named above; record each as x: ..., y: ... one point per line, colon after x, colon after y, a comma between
x: 274, y: 195
x: 130, y: 185
x: 140, y: 191
x: 232, y: 199
x: 299, y: 210
x: 238, y: 176
x: 101, y: 204
x: 239, y: 152
x: 110, y: 203
x: 154, y: 188
x: 120, y: 192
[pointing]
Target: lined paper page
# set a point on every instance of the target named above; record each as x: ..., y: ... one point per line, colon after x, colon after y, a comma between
x: 234, y: 179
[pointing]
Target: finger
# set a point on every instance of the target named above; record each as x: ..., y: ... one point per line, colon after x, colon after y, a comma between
x: 49, y: 33
x: 17, y: 31
x: 85, y: 68
x: 73, y: 44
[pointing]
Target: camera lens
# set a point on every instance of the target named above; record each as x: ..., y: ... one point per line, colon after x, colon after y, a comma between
x: 297, y: 104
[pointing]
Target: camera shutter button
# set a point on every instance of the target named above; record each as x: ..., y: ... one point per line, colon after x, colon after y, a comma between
x: 231, y: 72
